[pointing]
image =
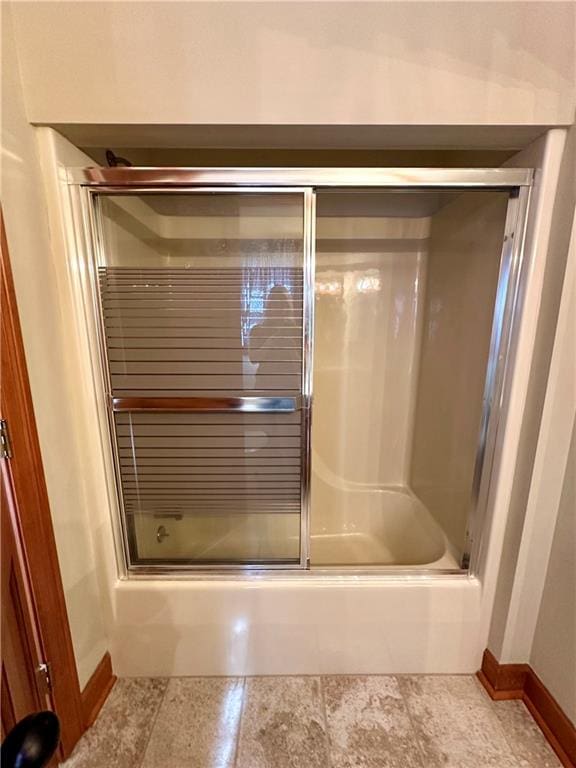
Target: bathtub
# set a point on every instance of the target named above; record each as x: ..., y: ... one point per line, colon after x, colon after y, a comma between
x: 357, y: 525
x: 350, y: 527
x: 327, y: 620
x: 309, y: 623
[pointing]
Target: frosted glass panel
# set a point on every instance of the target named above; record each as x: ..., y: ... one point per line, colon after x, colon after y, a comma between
x: 207, y: 471
x: 202, y: 301
x: 255, y: 314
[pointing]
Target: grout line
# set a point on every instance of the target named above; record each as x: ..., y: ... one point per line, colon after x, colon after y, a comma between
x: 494, y: 710
x: 488, y: 703
x: 240, y: 721
x: 328, y: 740
x: 154, y: 719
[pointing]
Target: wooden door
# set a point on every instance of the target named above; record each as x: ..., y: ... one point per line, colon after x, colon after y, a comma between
x: 21, y: 654
x: 35, y: 625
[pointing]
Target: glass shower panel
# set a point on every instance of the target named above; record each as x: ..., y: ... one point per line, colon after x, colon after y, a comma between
x: 405, y: 298
x: 203, y: 315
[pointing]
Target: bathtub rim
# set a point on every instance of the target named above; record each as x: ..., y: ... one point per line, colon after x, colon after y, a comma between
x: 260, y: 574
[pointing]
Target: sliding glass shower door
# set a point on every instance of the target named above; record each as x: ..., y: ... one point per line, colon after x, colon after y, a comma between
x: 205, y: 319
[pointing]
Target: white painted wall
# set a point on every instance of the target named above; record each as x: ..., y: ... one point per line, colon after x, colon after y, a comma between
x: 47, y: 329
x: 338, y: 63
x: 548, y: 479
x: 553, y: 231
x: 553, y: 653
x: 545, y: 155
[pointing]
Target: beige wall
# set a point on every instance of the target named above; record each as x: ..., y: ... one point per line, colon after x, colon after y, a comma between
x: 306, y: 63
x: 558, y: 202
x: 462, y: 273
x: 541, y: 621
x: 46, y: 340
x: 553, y: 654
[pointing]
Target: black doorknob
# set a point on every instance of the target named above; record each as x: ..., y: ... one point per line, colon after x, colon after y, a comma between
x: 32, y: 741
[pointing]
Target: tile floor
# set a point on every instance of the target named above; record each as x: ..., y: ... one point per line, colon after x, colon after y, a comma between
x: 388, y: 721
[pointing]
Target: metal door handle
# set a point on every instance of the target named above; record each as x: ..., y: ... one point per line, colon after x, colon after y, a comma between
x: 161, y: 534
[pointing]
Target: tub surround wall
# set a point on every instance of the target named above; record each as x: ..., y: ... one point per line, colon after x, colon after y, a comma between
x: 461, y: 279
x: 367, y: 321
x: 129, y: 228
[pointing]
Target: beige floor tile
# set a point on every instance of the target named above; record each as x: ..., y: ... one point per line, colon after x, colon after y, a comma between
x: 368, y: 724
x: 454, y: 723
x: 197, y: 725
x: 119, y: 736
x: 525, y: 738
x: 283, y: 724
x: 407, y: 721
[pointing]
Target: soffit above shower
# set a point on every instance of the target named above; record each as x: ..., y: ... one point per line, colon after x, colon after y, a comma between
x: 182, y: 144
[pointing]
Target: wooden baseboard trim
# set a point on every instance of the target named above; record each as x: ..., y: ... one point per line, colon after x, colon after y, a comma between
x: 498, y: 695
x: 506, y: 681
x: 97, y: 689
x: 519, y: 681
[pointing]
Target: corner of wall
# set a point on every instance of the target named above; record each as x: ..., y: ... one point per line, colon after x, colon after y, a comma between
x: 547, y: 239
x: 545, y: 156
x: 56, y: 155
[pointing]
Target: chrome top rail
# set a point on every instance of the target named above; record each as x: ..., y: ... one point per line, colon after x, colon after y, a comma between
x: 208, y: 404
x: 433, y: 178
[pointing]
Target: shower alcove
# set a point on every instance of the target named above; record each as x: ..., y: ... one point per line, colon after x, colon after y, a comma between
x: 303, y: 368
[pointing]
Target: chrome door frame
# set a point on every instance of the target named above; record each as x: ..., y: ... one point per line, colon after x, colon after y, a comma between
x: 507, y: 306
x: 91, y: 207
x: 432, y: 178
x: 92, y: 182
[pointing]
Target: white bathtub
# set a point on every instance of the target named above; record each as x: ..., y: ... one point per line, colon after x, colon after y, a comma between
x: 359, y: 525
x: 307, y: 624
x: 323, y: 621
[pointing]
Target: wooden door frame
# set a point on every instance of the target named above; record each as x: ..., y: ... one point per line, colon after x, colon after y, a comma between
x: 17, y: 609
x: 36, y: 532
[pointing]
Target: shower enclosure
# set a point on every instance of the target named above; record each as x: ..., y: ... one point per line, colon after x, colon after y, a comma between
x: 303, y: 368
